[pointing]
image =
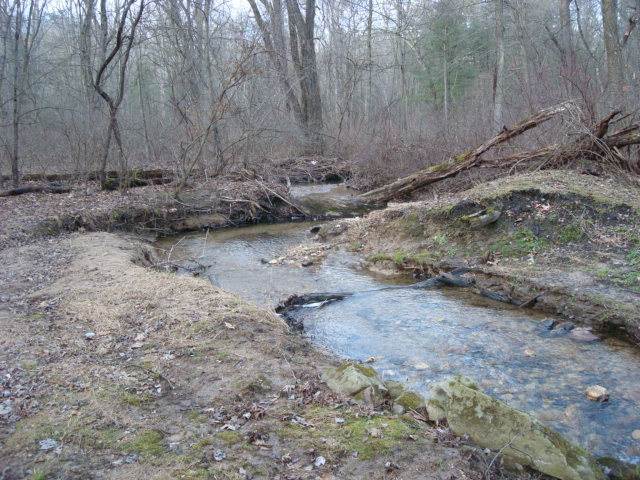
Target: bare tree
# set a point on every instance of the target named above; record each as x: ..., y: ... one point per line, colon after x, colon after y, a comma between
x: 612, y: 44
x: 498, y: 75
x: 25, y: 18
x: 307, y: 105
x: 115, y: 50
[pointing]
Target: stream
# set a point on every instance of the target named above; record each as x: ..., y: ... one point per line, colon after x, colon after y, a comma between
x: 423, y: 335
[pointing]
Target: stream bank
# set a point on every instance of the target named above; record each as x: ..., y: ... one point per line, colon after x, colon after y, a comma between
x: 113, y: 370
x: 563, y: 243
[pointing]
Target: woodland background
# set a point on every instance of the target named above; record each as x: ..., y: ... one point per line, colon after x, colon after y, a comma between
x: 216, y: 85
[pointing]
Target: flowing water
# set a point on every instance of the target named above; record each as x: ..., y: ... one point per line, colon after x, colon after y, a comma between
x: 422, y: 335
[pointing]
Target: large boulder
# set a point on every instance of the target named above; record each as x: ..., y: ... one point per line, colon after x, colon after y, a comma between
x: 353, y: 380
x: 521, y: 438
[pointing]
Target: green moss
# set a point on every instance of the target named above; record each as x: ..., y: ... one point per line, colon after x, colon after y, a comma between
x: 197, y: 417
x: 230, y: 437
x: 354, y: 247
x: 202, y: 443
x: 625, y: 279
x: 571, y: 233
x: 521, y: 243
x: 380, y: 257
x: 39, y: 475
x: 135, y: 399
x: 365, y: 370
x: 410, y: 400
x: 370, y: 437
x: 146, y: 442
x: 195, y: 474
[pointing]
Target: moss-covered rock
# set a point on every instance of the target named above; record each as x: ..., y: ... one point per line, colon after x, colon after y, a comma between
x: 496, y: 425
x: 410, y: 400
x: 619, y: 470
x: 352, y: 379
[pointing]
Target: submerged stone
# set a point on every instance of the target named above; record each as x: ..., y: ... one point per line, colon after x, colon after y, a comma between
x: 597, y: 393
x: 521, y: 438
x: 619, y: 470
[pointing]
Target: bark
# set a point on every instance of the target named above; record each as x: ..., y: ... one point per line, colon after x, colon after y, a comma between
x: 566, y: 36
x: 612, y: 44
x: 454, y: 165
x: 498, y: 75
x: 35, y: 189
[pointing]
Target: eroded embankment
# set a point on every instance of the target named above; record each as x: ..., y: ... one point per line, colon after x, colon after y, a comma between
x: 111, y: 369
x: 151, y: 210
x: 564, y: 243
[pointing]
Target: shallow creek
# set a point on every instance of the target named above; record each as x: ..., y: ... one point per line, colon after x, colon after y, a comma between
x: 422, y: 335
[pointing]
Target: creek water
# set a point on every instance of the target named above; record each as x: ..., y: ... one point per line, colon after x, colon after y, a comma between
x: 423, y: 335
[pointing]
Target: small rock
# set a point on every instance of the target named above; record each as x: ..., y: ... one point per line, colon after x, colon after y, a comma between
x: 549, y: 323
x: 136, y: 345
x: 566, y: 326
x: 131, y: 459
x: 370, y: 360
x: 339, y: 420
x: 306, y: 262
x: 273, y: 262
x: 635, y: 434
x: 597, y: 393
x: 583, y: 335
x: 219, y: 455
x: 48, y: 444
x: 421, y: 366
x: 528, y: 352
x: 89, y: 335
x: 319, y: 461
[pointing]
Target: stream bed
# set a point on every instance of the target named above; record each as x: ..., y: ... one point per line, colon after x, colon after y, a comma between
x: 422, y: 335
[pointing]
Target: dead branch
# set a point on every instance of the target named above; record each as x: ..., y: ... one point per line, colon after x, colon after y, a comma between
x: 454, y: 165
x: 35, y: 189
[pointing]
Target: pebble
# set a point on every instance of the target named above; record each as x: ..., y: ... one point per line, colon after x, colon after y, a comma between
x: 635, y: 434
x: 566, y: 326
x: 597, y: 393
x: 549, y: 323
x: 528, y: 352
x: 48, y: 444
x: 583, y: 335
x: 89, y: 335
x: 421, y: 366
x: 319, y: 461
x: 219, y: 455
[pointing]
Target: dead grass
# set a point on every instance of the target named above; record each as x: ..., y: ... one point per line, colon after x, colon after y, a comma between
x: 176, y: 372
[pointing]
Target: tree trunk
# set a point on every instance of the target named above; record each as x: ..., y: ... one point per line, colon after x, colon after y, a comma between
x: 612, y: 44
x: 498, y: 75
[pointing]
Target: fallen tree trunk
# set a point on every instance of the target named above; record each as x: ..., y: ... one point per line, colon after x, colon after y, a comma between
x: 453, y: 165
x: 594, y: 145
x: 35, y: 189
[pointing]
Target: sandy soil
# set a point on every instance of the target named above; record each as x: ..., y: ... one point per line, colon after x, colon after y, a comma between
x: 112, y: 369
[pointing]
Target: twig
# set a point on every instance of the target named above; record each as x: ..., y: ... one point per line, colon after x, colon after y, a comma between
x: 297, y: 207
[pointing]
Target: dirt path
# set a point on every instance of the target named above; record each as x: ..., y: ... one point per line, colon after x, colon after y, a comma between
x: 111, y: 369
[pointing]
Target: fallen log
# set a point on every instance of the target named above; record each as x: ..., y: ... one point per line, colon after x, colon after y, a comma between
x: 454, y: 165
x: 35, y: 189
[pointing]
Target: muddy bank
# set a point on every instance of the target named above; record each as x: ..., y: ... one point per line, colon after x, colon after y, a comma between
x: 151, y: 210
x: 564, y: 243
x: 111, y: 369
